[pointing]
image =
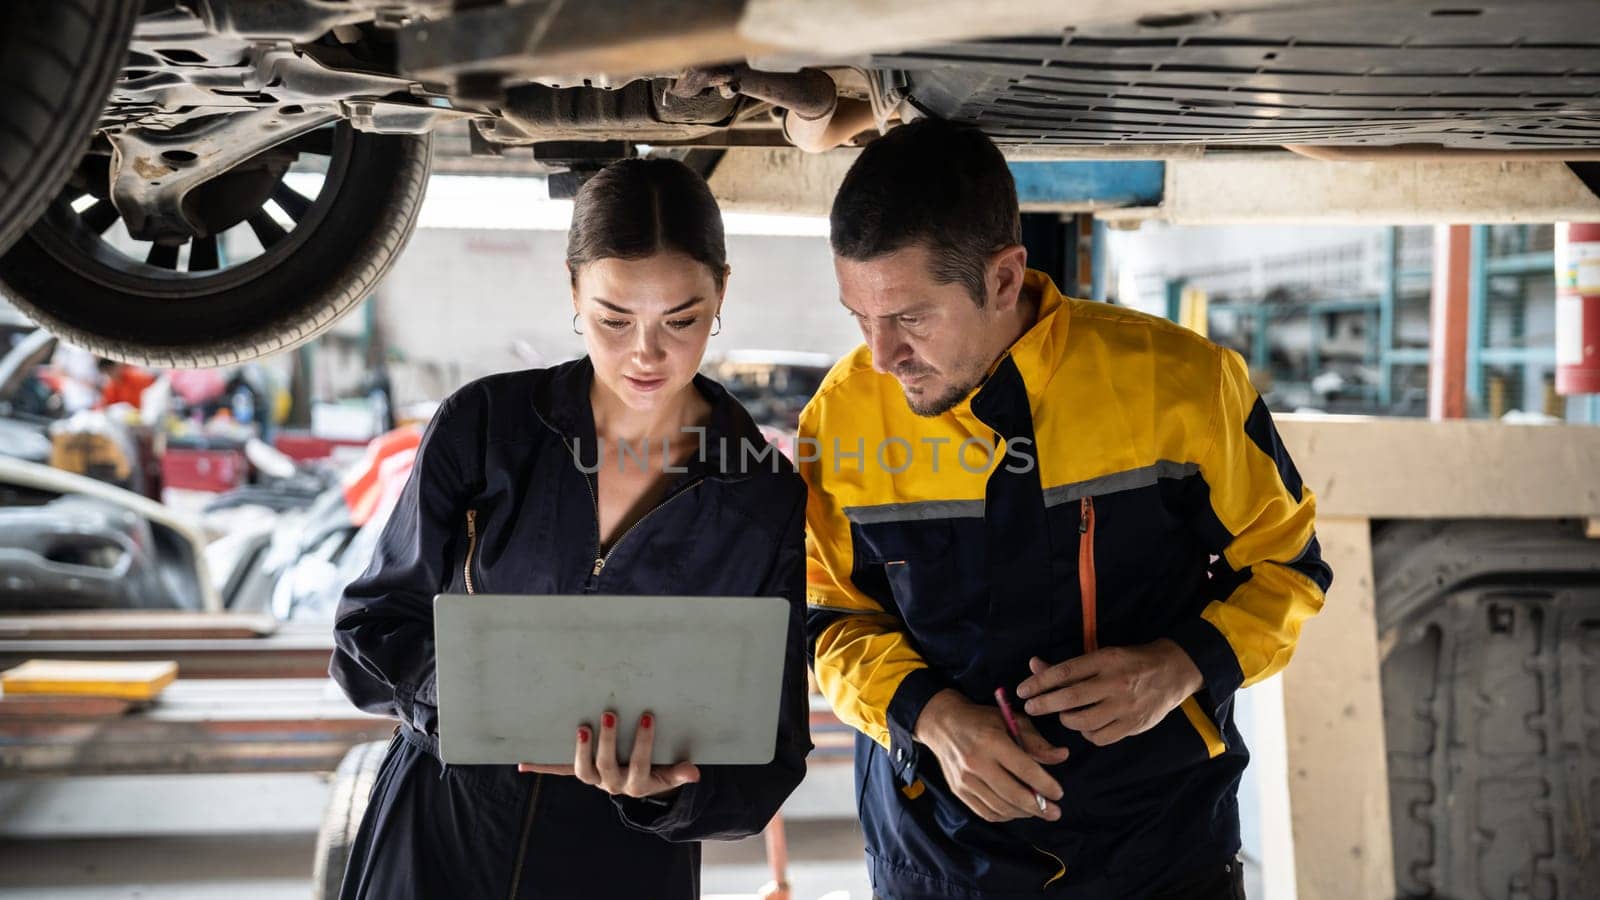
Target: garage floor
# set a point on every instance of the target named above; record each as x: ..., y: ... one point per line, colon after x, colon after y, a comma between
x: 825, y: 863
x: 175, y: 841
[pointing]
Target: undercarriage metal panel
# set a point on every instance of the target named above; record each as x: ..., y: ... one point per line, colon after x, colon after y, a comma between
x: 1502, y: 75
x: 1491, y: 691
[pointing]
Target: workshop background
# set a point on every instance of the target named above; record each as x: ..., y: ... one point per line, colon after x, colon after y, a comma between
x: 1411, y: 273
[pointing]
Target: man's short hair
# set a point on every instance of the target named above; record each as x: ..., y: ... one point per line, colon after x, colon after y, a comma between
x: 944, y: 186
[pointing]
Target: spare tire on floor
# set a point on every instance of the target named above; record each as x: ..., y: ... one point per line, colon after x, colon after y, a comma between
x: 347, y: 804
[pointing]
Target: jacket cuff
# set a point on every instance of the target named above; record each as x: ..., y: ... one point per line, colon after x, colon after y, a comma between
x: 909, y: 698
x: 418, y: 706
x: 656, y: 815
x: 1213, y: 656
x: 428, y: 691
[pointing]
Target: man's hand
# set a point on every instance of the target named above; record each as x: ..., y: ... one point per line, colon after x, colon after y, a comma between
x: 595, y: 762
x: 1113, y: 692
x: 994, y: 777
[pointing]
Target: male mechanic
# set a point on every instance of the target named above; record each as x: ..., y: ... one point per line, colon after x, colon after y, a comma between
x: 1083, y: 507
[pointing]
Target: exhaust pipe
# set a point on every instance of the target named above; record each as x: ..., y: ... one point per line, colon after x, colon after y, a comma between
x: 816, y: 118
x: 847, y: 119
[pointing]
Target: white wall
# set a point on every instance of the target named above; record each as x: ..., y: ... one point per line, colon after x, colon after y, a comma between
x: 1248, y: 254
x: 461, y: 303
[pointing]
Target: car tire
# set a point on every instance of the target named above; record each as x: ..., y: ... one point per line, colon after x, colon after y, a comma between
x: 331, y: 263
x: 347, y: 805
x: 58, y: 59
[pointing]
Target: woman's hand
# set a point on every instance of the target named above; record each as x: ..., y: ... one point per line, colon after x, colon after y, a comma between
x: 595, y: 762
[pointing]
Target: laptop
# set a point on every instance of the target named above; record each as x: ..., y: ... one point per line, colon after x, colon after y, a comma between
x: 517, y: 675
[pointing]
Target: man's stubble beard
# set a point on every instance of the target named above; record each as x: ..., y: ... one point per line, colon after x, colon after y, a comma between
x: 947, y: 400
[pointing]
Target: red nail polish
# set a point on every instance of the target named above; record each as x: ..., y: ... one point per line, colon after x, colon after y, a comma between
x: 608, y: 720
x: 646, y: 720
x: 583, y: 735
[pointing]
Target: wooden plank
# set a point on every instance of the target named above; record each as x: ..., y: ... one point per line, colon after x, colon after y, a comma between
x: 296, y: 650
x: 28, y: 706
x: 90, y: 678
x: 233, y: 725
x: 125, y: 806
x: 1386, y: 468
x: 135, y: 625
x: 1228, y: 189
x: 1333, y: 715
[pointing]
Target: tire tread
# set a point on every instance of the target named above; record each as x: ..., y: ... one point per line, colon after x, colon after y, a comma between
x: 37, y: 158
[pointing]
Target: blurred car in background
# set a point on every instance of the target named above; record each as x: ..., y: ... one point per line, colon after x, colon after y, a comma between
x: 774, y: 385
x: 27, y: 405
x: 292, y: 550
x: 72, y: 542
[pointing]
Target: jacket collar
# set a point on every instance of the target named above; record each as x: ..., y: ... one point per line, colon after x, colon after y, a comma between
x: 561, y: 401
x: 1036, y: 355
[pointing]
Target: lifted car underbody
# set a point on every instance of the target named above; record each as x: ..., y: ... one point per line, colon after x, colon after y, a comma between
x: 211, y: 84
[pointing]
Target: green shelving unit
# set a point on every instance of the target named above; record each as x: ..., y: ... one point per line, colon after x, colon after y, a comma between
x: 1401, y: 286
x: 1480, y: 358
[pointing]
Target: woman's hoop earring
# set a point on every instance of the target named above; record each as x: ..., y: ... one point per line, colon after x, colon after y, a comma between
x: 575, y: 324
x: 719, y: 326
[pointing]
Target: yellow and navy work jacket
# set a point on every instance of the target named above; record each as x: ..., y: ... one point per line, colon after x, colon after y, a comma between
x: 1115, y: 480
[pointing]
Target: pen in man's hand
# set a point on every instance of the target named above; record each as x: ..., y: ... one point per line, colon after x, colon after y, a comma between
x: 1014, y: 731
